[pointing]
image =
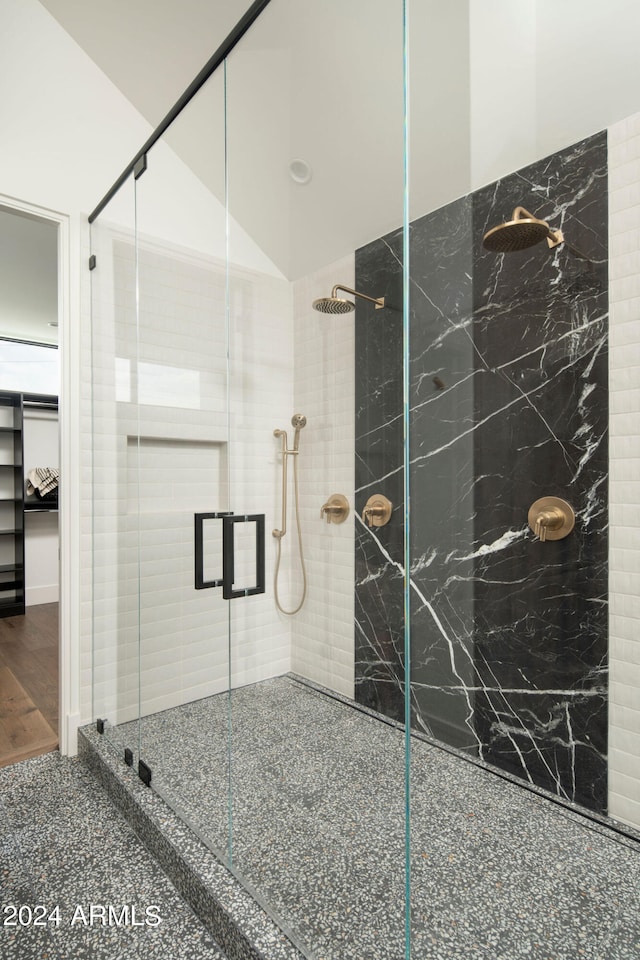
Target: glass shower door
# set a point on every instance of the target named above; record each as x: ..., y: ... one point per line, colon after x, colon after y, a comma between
x: 181, y: 468
x: 260, y: 718
x: 508, y: 450
x: 160, y: 469
x: 114, y: 524
x: 317, y: 775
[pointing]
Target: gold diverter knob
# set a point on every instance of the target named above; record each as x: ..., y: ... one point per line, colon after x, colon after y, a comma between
x: 336, y: 509
x: 551, y: 518
x: 377, y: 510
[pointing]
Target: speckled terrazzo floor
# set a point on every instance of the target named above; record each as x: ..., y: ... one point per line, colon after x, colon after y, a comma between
x: 62, y: 844
x: 318, y: 810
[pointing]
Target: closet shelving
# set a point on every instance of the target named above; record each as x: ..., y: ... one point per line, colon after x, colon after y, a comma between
x: 39, y: 401
x: 11, y: 506
x: 13, y: 500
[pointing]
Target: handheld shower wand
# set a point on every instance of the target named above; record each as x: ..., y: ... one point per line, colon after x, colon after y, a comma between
x: 298, y: 421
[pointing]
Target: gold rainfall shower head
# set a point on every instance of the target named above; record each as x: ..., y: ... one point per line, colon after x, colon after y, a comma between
x: 521, y: 232
x: 335, y: 304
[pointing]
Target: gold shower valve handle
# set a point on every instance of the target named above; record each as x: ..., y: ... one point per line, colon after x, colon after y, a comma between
x: 336, y: 509
x: 551, y: 518
x: 548, y: 520
x: 377, y: 510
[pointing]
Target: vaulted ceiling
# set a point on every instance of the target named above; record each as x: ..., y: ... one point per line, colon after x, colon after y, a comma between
x: 493, y: 86
x: 319, y: 81
x: 150, y: 49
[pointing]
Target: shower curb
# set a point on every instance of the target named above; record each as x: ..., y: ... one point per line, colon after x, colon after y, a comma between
x: 238, y: 924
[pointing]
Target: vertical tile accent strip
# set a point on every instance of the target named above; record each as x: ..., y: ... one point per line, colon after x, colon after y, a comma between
x: 624, y: 487
x: 379, y: 562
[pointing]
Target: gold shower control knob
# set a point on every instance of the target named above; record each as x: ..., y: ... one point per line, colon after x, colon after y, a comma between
x: 336, y: 509
x: 551, y: 518
x: 377, y: 510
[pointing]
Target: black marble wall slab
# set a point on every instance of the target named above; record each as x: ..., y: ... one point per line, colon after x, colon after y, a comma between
x: 508, y: 402
x: 379, y: 597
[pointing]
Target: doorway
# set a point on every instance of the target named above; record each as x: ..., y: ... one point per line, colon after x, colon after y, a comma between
x: 29, y: 480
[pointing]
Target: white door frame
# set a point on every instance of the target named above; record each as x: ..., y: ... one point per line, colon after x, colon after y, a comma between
x: 69, y: 498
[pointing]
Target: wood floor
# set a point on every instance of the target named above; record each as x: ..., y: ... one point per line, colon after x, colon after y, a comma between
x: 29, y: 683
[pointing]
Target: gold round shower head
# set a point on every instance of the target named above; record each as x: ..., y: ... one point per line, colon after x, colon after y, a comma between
x: 333, y: 305
x: 515, y: 235
x: 520, y: 233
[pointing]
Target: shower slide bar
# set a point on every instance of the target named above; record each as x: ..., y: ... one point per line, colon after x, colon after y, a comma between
x: 210, y: 67
x: 298, y: 422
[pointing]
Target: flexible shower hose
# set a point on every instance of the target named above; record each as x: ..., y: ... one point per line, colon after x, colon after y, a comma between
x: 290, y: 613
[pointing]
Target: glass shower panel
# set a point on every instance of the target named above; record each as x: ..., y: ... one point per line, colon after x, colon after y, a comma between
x: 315, y: 190
x: 180, y: 466
x: 439, y: 364
x: 114, y: 513
x: 509, y: 414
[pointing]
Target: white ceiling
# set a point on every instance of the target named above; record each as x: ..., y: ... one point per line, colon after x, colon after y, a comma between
x: 28, y: 278
x: 316, y: 80
x: 150, y: 49
x: 323, y: 80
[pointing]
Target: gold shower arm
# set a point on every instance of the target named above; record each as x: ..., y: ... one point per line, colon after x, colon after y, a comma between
x: 379, y: 301
x: 519, y: 213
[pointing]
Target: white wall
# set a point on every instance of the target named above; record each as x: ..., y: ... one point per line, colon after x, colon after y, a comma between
x: 502, y: 54
x: 588, y: 69
x: 159, y: 462
x: 544, y: 75
x: 624, y: 480
x: 68, y: 133
x: 441, y: 83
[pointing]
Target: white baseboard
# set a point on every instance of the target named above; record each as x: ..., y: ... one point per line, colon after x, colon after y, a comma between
x: 70, y: 746
x: 35, y: 595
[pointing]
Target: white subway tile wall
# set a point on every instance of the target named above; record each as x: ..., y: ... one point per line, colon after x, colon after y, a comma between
x: 157, y: 463
x: 624, y: 464
x: 322, y: 639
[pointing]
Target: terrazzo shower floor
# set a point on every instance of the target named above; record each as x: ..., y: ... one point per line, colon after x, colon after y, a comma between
x: 317, y: 804
x: 65, y: 848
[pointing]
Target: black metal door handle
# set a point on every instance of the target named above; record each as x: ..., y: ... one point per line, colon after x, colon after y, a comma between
x: 200, y: 583
x: 228, y: 555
